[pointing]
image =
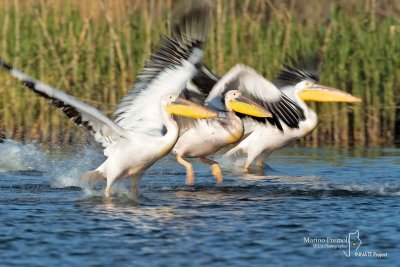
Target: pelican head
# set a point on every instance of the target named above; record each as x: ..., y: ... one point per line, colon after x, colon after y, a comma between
x: 175, y: 105
x: 301, y: 79
x: 309, y: 90
x: 235, y: 101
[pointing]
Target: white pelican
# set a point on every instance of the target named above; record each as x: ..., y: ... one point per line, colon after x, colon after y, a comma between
x: 300, y: 84
x: 129, y: 152
x: 230, y: 96
x: 145, y: 129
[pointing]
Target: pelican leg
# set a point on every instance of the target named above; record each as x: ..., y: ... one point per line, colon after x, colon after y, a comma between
x: 134, y: 186
x: 92, y: 177
x: 251, y: 157
x: 189, y: 170
x: 215, y: 169
x: 260, y: 161
x: 247, y: 167
x: 260, y: 166
x: 107, y: 191
x: 110, y: 181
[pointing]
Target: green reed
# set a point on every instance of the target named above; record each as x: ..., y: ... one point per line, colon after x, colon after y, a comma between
x: 94, y: 50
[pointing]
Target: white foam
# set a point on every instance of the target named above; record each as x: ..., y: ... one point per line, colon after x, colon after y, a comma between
x: 67, y: 169
x: 63, y: 168
x: 16, y: 156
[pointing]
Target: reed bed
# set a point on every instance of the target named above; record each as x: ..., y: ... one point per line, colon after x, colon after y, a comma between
x: 94, y: 50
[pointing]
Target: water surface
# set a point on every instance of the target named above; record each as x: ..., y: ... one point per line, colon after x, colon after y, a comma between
x: 47, y: 218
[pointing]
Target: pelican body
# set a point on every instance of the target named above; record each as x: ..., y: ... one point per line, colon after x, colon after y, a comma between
x: 300, y: 85
x: 129, y: 152
x: 145, y: 129
x: 285, y: 99
x: 226, y: 129
x: 138, y: 151
x: 236, y: 96
x: 206, y: 137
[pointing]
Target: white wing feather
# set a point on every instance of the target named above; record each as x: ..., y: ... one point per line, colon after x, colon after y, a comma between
x: 260, y: 90
x: 246, y: 80
x: 141, y: 110
x: 104, y: 129
x: 167, y: 71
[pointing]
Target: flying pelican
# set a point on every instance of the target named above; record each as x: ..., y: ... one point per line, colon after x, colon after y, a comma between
x: 234, y: 96
x: 299, y: 83
x: 145, y: 129
x: 129, y: 152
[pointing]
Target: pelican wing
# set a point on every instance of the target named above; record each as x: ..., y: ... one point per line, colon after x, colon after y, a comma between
x: 260, y: 90
x: 167, y: 71
x: 104, y: 129
x: 204, y: 80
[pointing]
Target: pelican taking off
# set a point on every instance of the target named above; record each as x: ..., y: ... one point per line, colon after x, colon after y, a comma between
x: 299, y: 82
x: 239, y: 93
x: 146, y: 129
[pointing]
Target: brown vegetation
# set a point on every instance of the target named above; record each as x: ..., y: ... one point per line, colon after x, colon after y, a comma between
x: 94, y: 49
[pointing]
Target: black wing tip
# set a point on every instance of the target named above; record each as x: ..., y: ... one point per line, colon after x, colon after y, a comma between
x: 28, y: 83
x: 204, y: 78
x: 275, y: 121
x: 194, y: 25
x: 68, y: 110
x: 257, y: 119
x: 304, y: 67
x: 187, y: 36
x: 5, y: 65
x: 190, y: 33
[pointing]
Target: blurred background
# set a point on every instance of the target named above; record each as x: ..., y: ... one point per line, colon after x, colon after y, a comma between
x: 94, y: 50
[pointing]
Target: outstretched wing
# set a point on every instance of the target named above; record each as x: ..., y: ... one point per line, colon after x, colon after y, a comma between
x: 257, y: 88
x: 205, y: 79
x: 167, y: 71
x: 104, y: 129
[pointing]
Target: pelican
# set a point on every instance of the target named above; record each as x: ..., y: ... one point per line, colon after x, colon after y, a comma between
x: 297, y: 83
x: 129, y: 152
x: 300, y: 83
x: 146, y: 129
x: 234, y: 96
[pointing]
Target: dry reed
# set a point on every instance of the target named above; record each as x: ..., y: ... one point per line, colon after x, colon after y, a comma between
x: 94, y: 50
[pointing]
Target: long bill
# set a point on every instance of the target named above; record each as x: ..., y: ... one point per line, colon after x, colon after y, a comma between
x: 185, y: 108
x: 245, y: 106
x: 321, y: 93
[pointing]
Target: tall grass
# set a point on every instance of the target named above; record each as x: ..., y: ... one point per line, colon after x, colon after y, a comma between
x: 94, y: 50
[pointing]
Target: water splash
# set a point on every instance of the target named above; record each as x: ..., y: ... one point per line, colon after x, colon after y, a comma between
x: 68, y: 169
x: 16, y: 156
x: 64, y: 168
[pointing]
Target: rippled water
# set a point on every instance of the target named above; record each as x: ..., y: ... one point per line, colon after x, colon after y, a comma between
x: 46, y: 218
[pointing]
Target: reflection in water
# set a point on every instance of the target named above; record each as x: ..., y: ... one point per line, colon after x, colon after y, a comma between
x: 125, y: 209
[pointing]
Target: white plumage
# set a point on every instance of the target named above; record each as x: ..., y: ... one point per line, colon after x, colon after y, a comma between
x: 145, y: 129
x: 141, y: 111
x: 247, y: 81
